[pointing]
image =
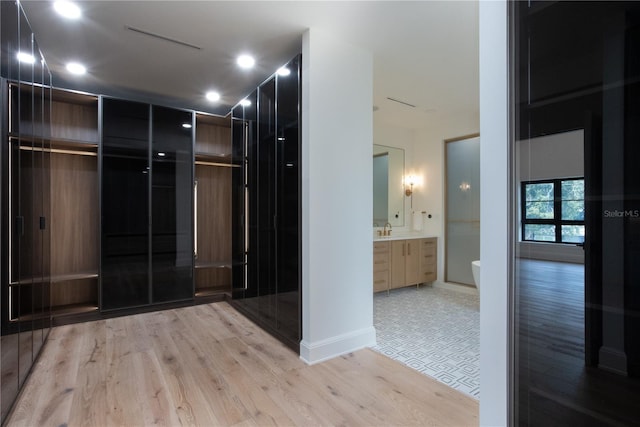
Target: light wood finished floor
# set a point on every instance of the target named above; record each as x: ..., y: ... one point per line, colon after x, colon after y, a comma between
x: 208, y: 365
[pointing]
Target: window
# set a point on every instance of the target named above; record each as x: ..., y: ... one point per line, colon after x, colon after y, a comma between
x: 553, y: 211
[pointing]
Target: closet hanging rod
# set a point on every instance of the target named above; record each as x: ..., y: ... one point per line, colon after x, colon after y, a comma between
x: 60, y: 151
x: 227, y: 165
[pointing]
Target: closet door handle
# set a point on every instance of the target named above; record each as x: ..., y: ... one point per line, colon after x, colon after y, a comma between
x: 408, y: 249
x: 195, y: 219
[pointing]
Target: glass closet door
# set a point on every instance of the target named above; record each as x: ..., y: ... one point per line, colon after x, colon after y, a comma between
x: 125, y: 204
x: 576, y: 72
x: 288, y: 202
x: 29, y: 245
x: 266, y: 192
x: 11, y: 225
x: 172, y: 205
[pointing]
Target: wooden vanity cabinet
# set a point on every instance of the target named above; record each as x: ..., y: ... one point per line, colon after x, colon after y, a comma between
x: 428, y: 260
x: 381, y: 266
x: 407, y: 262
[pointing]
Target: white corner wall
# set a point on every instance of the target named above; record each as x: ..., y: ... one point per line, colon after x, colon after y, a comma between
x: 337, y: 136
x: 495, y: 244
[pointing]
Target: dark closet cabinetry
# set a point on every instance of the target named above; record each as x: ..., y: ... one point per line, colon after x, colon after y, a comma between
x: 25, y: 231
x: 266, y: 200
x: 147, y: 204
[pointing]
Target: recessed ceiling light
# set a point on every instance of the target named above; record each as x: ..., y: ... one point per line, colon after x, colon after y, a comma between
x: 27, y: 58
x: 161, y: 154
x: 213, y: 96
x: 76, y: 68
x: 186, y: 125
x: 245, y: 102
x: 67, y: 9
x: 283, y: 71
x: 246, y: 61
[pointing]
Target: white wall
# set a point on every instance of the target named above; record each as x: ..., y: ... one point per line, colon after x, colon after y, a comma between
x: 559, y: 155
x: 337, y: 265
x: 495, y: 250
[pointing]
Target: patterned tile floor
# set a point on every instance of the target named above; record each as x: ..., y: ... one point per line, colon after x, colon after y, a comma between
x: 435, y: 331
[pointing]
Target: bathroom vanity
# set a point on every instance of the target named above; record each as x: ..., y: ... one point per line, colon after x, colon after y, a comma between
x: 403, y: 261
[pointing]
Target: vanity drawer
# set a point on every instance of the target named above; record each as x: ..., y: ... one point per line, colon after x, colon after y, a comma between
x: 380, y: 262
x: 429, y: 254
x: 429, y: 244
x: 380, y: 247
x: 380, y: 281
x: 429, y: 276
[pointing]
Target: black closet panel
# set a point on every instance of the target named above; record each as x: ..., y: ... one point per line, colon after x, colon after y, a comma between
x: 251, y: 120
x: 172, y: 205
x: 267, y: 196
x: 266, y: 192
x: 239, y: 200
x: 125, y: 204
x: 24, y: 210
x: 288, y: 201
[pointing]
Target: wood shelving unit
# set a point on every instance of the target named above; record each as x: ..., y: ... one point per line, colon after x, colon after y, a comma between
x: 74, y: 203
x: 213, y: 211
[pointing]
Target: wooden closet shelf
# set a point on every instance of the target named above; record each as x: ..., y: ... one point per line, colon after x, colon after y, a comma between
x: 57, y: 142
x: 73, y: 276
x: 62, y: 310
x: 216, y: 264
x: 61, y: 147
x: 209, y: 291
x: 26, y: 281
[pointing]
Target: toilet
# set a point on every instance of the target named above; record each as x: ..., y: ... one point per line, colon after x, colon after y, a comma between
x: 475, y: 269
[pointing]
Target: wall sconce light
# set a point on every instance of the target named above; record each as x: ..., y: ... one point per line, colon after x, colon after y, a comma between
x: 409, y: 181
x: 408, y: 189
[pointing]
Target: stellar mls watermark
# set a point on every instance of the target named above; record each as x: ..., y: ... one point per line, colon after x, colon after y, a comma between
x: 621, y: 214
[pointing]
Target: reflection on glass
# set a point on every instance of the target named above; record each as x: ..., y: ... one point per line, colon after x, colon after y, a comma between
x: 576, y: 328
x: 125, y: 204
x: 171, y: 195
x: 540, y: 232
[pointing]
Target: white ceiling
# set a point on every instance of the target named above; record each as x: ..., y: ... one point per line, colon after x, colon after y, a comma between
x: 425, y: 52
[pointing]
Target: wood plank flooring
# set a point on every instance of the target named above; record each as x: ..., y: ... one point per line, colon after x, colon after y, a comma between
x: 207, y: 365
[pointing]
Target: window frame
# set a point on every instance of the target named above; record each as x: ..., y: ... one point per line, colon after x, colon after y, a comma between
x: 557, y: 220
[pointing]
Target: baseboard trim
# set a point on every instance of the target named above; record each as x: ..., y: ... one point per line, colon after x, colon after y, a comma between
x: 612, y: 360
x: 319, y: 351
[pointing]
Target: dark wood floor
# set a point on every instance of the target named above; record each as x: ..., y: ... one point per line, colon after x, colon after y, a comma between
x: 555, y: 388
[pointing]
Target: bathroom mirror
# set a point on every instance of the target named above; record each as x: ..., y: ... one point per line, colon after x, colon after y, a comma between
x: 388, y: 194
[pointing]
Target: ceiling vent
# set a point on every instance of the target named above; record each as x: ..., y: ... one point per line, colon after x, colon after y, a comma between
x: 161, y: 37
x: 401, y: 102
